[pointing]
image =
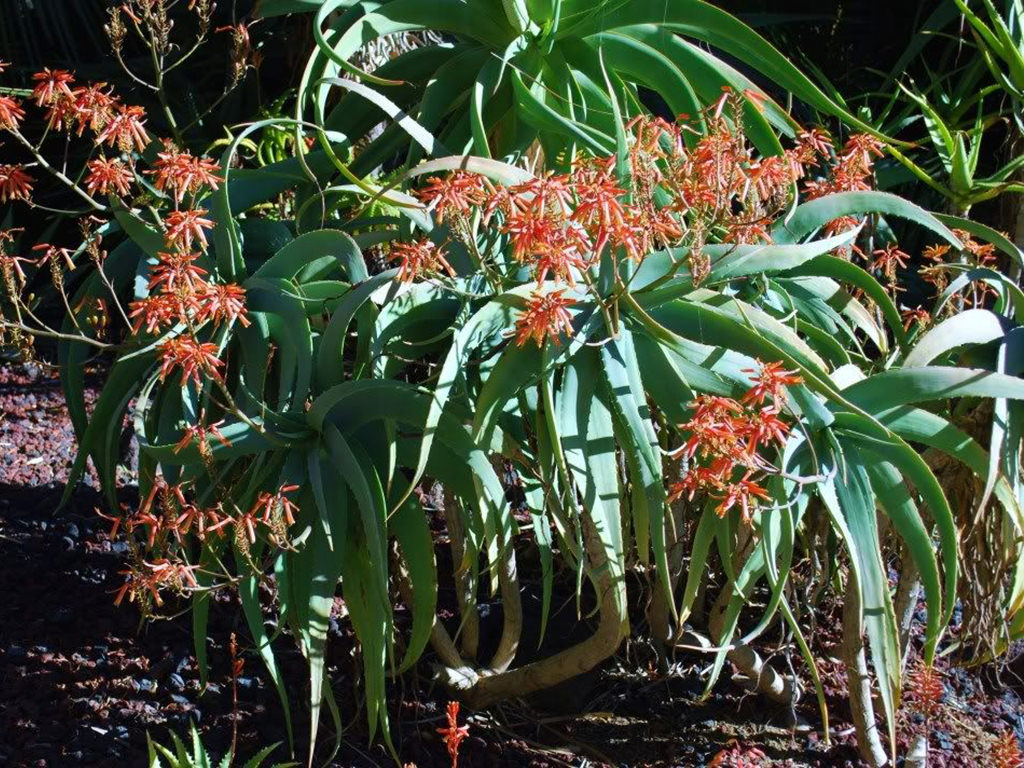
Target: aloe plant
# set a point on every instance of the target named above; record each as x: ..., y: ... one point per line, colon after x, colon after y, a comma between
x: 660, y: 329
x: 181, y: 756
x: 518, y: 71
x: 352, y: 390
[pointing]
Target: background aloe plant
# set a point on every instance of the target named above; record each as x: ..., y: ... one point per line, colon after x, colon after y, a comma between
x: 515, y: 72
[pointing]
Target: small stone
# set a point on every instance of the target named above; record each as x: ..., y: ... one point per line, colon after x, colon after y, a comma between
x: 176, y: 682
x: 143, y: 684
x: 16, y: 654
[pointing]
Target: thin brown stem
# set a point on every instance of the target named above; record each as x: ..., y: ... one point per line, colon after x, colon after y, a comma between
x: 49, y: 334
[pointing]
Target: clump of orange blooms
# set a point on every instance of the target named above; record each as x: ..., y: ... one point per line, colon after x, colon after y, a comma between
x: 186, y: 303
x: 726, y: 437
x: 925, y: 690
x: 1006, y: 752
x: 689, y: 185
x: 169, y: 519
x: 182, y: 292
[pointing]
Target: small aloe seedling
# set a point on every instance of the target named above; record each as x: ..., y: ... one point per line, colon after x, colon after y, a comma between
x: 180, y: 757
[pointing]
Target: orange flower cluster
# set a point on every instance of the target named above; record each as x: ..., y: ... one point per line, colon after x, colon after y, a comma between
x: 418, y: 258
x: 181, y: 173
x: 15, y: 183
x: 1006, y: 752
x: 89, y: 107
x: 144, y: 582
x: 11, y: 113
x: 192, y: 357
x: 851, y: 172
x: 925, y: 690
x: 546, y: 317
x: 921, y: 318
x: 725, y: 439
x: 10, y: 263
x: 181, y: 293
x: 558, y: 225
x: 95, y: 108
x: 166, y: 517
x: 108, y: 177
x: 70, y: 108
x: 974, y: 255
x: 200, y: 434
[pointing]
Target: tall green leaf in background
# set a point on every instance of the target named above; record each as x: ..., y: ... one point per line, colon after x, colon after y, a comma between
x: 507, y: 79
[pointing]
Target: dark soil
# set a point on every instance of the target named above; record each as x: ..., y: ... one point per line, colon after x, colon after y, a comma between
x: 82, y: 682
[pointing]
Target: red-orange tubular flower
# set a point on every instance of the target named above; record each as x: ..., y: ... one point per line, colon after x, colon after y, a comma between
x: 51, y: 84
x: 186, y: 227
x: 745, y: 495
x: 419, y: 258
x: 201, y: 433
x: 15, y: 183
x: 52, y: 253
x: 11, y: 113
x: 267, y: 503
x: 1006, y: 751
x: 191, y: 356
x: 545, y: 317
x: 181, y: 173
x: 126, y: 130
x: 726, y: 436
x: 770, y: 382
x: 108, y: 176
x: 177, y: 271
x: 157, y: 311
x: 599, y: 209
x: 453, y: 734
x: 925, y: 690
x: 458, y: 193
x: 222, y: 303
x: 93, y: 107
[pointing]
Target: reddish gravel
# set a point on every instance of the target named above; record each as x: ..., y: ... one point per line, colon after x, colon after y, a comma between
x: 37, y: 441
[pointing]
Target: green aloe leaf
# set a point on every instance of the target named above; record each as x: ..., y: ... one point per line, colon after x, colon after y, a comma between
x: 409, y: 525
x: 620, y: 373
